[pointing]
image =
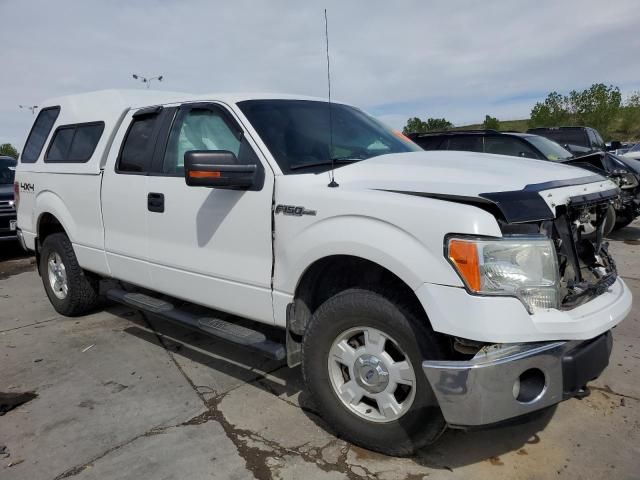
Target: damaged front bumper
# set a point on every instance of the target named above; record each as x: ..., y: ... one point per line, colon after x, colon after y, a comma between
x: 507, y: 381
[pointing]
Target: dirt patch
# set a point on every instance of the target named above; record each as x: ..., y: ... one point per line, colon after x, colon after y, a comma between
x: 9, y: 401
x: 9, y: 268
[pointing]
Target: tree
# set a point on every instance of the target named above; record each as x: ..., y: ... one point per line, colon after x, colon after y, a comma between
x: 630, y: 116
x: 491, y: 123
x: 553, y: 112
x: 416, y: 125
x: 8, y: 149
x: 596, y: 106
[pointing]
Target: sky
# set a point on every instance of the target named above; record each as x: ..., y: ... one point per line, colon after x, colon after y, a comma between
x: 395, y: 59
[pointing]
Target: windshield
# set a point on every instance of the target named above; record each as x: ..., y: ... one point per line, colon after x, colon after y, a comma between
x: 297, y: 134
x: 7, y: 171
x: 635, y: 148
x: 549, y: 148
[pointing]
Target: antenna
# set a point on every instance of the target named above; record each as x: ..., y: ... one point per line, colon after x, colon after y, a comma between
x: 332, y: 183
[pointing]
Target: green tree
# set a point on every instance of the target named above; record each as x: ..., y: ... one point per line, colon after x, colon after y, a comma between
x: 416, y: 125
x: 491, y: 123
x: 630, y: 116
x: 8, y: 149
x: 596, y: 106
x: 553, y: 112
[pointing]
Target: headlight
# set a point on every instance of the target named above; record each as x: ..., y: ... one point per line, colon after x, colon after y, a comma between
x: 522, y: 267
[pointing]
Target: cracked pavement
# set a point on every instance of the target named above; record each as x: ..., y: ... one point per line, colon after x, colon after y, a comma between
x: 153, y: 400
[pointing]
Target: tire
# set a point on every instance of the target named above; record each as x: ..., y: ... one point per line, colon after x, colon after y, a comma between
x: 422, y: 421
x: 82, y: 288
x: 622, y: 221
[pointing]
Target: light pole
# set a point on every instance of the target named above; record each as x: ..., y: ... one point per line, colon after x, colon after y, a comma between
x: 33, y: 108
x: 146, y: 80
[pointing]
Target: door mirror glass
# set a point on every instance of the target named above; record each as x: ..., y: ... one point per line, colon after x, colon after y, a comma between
x: 218, y: 169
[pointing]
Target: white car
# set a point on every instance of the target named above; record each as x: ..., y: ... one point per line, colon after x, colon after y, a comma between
x: 418, y: 289
x: 633, y: 152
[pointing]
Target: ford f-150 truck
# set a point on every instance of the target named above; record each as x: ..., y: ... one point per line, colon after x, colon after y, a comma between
x: 416, y: 289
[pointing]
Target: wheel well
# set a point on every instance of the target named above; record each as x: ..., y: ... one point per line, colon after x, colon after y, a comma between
x: 331, y: 275
x: 48, y: 224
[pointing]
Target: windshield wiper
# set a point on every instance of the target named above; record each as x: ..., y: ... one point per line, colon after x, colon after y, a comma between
x: 298, y: 166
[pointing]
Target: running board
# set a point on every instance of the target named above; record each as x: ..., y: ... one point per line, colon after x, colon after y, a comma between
x: 215, y: 327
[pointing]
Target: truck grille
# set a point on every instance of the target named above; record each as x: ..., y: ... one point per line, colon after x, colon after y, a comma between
x: 586, y: 268
x: 6, y: 207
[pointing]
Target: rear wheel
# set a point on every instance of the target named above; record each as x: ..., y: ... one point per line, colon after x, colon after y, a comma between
x: 622, y: 221
x: 362, y: 356
x: 71, y: 290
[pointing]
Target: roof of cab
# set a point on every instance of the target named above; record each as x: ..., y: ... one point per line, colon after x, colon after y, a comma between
x: 131, y: 99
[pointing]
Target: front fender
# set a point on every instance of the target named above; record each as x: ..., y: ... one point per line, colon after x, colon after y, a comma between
x: 365, y: 237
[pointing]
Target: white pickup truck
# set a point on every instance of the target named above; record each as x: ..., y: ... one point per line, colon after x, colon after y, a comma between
x: 417, y: 289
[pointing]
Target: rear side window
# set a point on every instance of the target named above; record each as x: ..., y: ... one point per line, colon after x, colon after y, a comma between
x: 74, y: 143
x: 467, y: 143
x: 505, y: 145
x: 39, y: 134
x: 137, y: 149
x: 430, y: 143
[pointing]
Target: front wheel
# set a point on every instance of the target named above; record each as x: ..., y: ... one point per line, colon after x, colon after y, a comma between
x: 362, y: 356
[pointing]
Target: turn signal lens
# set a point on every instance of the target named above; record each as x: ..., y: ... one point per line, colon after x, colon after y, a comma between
x: 202, y: 174
x: 464, y: 256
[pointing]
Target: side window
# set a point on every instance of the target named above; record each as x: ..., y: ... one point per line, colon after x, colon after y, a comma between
x: 430, y: 142
x: 506, y: 145
x: 39, y: 133
x: 467, y: 143
x: 139, y: 143
x: 74, y: 143
x: 203, y: 128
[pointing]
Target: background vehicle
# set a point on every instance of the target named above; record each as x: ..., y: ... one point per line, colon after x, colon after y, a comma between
x: 624, y: 172
x: 416, y: 289
x: 492, y: 141
x: 7, y: 204
x: 633, y: 152
x: 578, y: 140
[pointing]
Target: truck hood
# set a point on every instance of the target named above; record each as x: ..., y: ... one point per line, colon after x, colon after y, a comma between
x: 519, y: 187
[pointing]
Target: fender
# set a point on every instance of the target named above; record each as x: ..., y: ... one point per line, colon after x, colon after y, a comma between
x: 49, y: 202
x: 366, y: 237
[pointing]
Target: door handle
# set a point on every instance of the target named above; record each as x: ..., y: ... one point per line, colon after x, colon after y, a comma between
x: 155, y: 202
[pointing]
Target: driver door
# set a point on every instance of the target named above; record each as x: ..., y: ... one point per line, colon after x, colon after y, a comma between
x: 210, y: 246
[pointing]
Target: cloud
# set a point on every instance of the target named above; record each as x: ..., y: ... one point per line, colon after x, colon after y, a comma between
x: 458, y: 60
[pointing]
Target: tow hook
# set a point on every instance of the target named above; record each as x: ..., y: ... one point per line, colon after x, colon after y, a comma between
x: 583, y: 392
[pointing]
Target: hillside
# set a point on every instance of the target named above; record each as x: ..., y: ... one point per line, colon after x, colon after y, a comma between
x: 515, y: 125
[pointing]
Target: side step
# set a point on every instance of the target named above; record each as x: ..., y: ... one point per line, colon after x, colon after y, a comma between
x: 215, y: 327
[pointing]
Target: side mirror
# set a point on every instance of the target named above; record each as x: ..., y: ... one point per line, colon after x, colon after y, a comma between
x: 217, y: 169
x: 615, y: 145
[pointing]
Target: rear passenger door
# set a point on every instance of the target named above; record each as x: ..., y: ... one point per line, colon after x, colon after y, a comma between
x: 211, y: 246
x: 124, y: 195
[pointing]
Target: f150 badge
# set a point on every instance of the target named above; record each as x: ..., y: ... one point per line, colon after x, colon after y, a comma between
x: 296, y: 211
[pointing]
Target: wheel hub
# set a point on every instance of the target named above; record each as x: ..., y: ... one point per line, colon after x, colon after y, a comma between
x: 371, y: 373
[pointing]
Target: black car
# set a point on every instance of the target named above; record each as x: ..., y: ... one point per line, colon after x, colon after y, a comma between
x: 624, y: 171
x: 578, y: 140
x: 491, y: 141
x: 7, y: 205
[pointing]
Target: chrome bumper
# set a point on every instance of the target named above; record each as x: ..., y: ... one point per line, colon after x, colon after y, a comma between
x: 506, y: 381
